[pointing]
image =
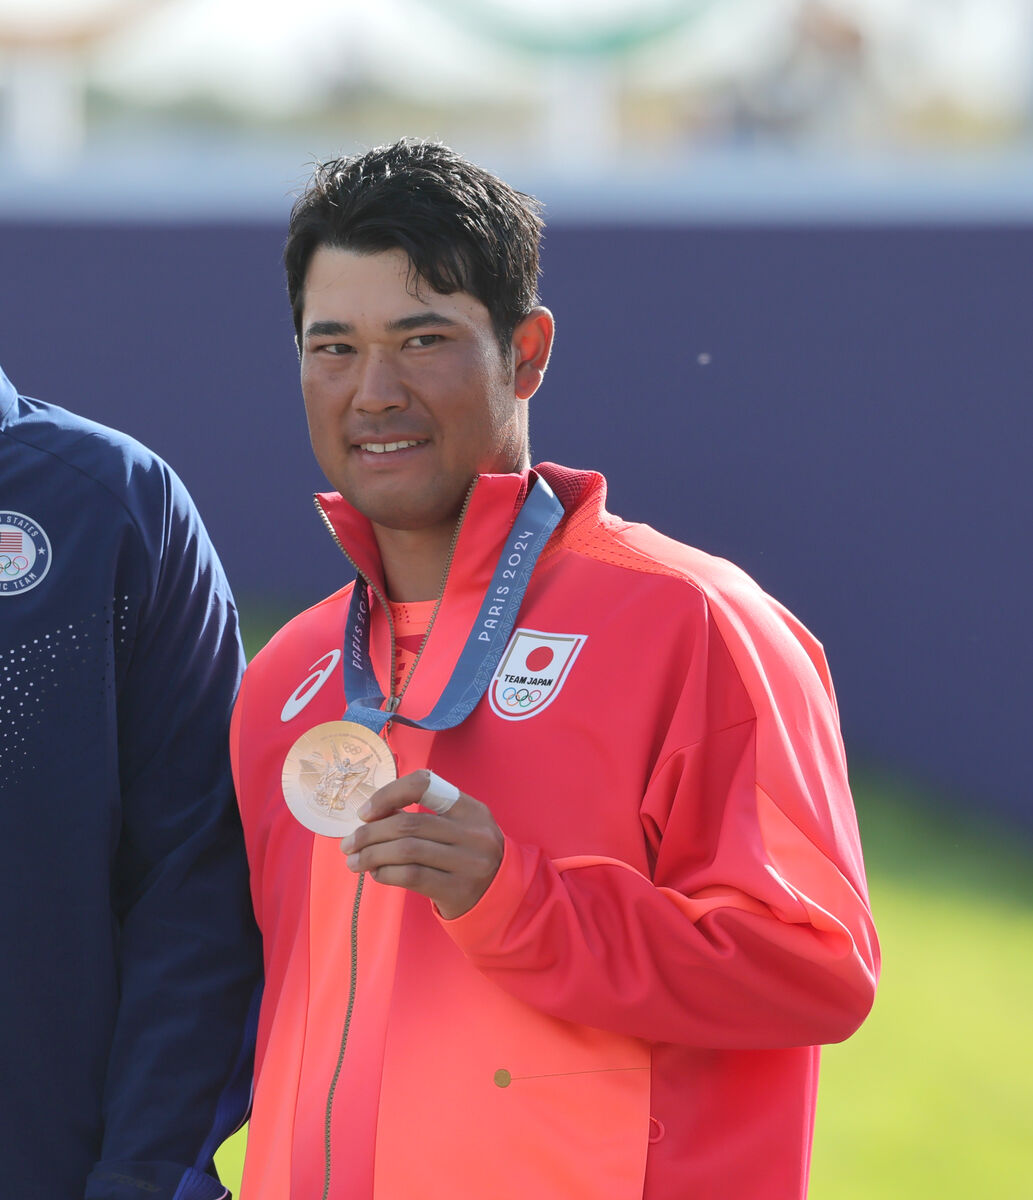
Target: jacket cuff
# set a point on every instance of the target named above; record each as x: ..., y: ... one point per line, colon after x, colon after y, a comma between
x: 113, y: 1180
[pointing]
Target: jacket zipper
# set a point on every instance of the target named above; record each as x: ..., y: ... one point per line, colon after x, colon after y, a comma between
x: 392, y: 704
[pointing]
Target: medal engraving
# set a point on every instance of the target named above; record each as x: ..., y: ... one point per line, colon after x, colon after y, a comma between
x: 330, y: 771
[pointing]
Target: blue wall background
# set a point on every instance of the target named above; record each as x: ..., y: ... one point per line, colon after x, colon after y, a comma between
x: 843, y: 411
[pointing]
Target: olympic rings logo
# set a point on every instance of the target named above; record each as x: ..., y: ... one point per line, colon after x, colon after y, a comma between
x: 521, y: 697
x: 13, y: 566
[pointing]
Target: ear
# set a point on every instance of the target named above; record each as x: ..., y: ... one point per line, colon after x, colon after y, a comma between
x: 532, y: 345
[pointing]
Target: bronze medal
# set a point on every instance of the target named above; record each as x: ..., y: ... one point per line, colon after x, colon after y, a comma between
x: 330, y: 771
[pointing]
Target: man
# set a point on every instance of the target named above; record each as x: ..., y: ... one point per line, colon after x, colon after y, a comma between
x: 130, y: 957
x: 588, y: 940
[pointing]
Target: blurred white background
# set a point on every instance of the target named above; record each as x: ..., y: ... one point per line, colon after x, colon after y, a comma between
x: 683, y: 108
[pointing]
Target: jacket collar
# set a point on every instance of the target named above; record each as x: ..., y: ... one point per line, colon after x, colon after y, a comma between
x: 491, y: 510
x: 493, y: 506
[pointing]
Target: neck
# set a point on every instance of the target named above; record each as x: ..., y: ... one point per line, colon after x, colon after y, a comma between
x: 414, y: 560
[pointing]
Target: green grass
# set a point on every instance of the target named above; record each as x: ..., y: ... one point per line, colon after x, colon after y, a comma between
x: 933, y: 1098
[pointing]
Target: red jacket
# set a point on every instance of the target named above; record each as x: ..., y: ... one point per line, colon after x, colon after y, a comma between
x: 634, y: 1006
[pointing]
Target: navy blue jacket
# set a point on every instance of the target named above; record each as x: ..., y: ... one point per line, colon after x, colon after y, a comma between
x: 129, y: 962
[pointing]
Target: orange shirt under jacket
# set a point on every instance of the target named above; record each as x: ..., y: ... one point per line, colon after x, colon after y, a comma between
x: 634, y: 1006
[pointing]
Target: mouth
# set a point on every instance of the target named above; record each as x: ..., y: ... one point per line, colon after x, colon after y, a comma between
x: 389, y: 447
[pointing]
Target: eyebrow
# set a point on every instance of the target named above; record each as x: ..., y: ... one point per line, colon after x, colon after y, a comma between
x: 401, y: 325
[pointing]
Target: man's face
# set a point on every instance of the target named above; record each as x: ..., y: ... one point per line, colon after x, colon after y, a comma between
x: 408, y: 396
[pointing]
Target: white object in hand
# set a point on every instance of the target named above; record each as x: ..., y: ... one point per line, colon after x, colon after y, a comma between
x: 440, y: 794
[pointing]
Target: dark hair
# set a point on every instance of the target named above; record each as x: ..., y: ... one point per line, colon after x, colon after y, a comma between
x: 463, y: 229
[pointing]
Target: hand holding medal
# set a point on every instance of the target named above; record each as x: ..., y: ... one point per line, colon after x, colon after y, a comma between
x: 339, y: 781
x: 450, y: 854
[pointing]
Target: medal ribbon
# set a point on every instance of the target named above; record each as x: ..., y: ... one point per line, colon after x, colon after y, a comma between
x: 538, y: 517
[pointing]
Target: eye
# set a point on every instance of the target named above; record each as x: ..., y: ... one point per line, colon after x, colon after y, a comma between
x: 337, y: 348
x: 422, y: 340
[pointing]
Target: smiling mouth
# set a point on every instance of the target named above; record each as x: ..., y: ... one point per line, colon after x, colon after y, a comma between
x: 388, y: 447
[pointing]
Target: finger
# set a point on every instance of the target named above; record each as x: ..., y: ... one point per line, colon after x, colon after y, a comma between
x: 405, y: 824
x: 403, y: 853
x: 449, y: 875
x: 414, y: 878
x: 417, y: 787
x: 463, y: 829
x: 454, y: 876
x: 398, y: 794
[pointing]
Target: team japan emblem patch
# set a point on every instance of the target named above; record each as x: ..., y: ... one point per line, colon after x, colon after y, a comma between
x: 533, y: 669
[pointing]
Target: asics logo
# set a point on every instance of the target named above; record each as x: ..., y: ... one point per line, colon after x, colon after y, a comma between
x: 311, y: 684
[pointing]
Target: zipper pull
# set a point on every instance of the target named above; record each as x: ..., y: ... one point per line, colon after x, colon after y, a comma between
x: 392, y: 704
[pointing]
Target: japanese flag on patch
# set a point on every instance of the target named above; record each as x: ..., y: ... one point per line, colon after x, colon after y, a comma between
x: 534, y: 667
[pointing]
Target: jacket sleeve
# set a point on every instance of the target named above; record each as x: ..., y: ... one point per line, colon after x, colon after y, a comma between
x: 752, y: 928
x: 179, y: 1074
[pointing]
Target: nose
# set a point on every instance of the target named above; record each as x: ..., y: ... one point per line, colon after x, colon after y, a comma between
x: 379, y: 387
